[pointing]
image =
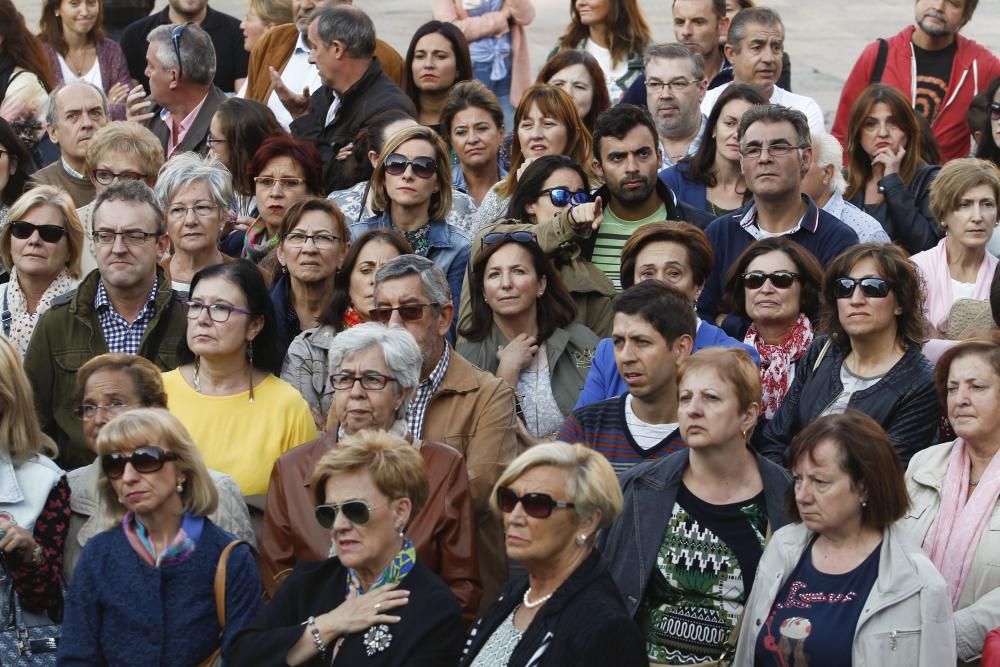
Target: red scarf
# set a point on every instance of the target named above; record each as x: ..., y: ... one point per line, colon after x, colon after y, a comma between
x: 776, y: 360
x: 351, y: 318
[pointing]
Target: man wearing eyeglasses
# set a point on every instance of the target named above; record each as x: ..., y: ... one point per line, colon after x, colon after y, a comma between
x: 776, y: 152
x: 125, y: 306
x: 75, y: 112
x: 931, y: 63
x: 675, y: 84
x: 455, y: 402
x: 756, y: 47
x: 180, y: 63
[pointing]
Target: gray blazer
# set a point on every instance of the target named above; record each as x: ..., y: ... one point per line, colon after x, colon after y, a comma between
x: 195, y: 139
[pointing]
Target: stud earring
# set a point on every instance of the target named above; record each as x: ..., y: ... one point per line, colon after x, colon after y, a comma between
x: 399, y: 530
x: 864, y: 503
x: 581, y: 539
x: 180, y: 486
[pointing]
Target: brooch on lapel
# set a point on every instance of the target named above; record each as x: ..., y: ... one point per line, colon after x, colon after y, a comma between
x: 584, y: 358
x: 377, y: 639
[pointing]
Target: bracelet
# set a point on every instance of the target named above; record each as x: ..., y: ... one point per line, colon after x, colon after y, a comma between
x: 317, y: 640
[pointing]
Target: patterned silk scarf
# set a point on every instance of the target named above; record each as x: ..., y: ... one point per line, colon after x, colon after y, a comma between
x: 22, y: 322
x: 179, y: 549
x: 776, y: 360
x: 351, y: 318
x: 256, y: 245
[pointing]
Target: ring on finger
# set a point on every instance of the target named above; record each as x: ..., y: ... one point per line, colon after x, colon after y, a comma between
x: 378, y: 605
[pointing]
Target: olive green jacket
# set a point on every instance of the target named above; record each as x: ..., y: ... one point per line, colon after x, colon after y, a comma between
x: 67, y: 336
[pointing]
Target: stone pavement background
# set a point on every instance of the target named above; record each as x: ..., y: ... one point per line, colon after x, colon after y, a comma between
x: 824, y: 37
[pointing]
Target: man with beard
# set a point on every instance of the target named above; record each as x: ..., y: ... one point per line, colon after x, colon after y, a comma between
x: 654, y: 329
x: 675, y: 84
x: 284, y: 50
x: 76, y: 111
x: 940, y: 70
x: 230, y: 58
x: 627, y: 156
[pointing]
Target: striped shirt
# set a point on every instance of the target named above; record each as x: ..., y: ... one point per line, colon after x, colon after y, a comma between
x: 611, y: 237
x: 602, y: 426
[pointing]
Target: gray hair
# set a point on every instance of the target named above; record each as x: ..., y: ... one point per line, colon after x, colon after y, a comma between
x: 775, y: 113
x: 132, y: 191
x: 432, y: 278
x: 349, y: 26
x: 52, y: 108
x: 828, y: 151
x: 399, y: 350
x: 184, y: 169
x: 677, y: 52
x: 197, y: 52
x: 738, y: 27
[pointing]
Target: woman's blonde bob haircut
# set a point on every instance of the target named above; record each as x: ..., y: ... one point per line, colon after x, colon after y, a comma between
x: 20, y: 432
x: 46, y: 195
x: 396, y: 467
x: 591, y: 484
x: 958, y: 177
x: 441, y: 200
x: 157, y: 427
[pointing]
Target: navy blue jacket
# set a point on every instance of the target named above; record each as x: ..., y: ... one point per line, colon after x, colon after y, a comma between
x: 688, y: 191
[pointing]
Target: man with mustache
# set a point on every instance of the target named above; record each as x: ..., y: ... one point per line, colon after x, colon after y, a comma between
x: 755, y: 47
x: 75, y: 112
x: 940, y: 70
x: 627, y: 156
x: 675, y: 84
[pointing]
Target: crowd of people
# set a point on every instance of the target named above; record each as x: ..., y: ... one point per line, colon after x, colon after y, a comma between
x: 319, y: 350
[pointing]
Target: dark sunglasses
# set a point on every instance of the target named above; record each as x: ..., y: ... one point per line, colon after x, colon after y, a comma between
x: 143, y: 459
x: 22, y: 229
x: 175, y: 37
x: 563, y: 196
x: 537, y: 505
x: 357, y: 512
x: 523, y: 236
x: 780, y: 279
x: 410, y: 313
x: 423, y: 166
x: 995, y: 110
x: 874, y: 288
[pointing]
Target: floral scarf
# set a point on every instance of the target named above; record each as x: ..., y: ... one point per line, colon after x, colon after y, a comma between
x: 351, y: 318
x: 22, y: 323
x: 179, y: 550
x: 776, y: 360
x: 419, y: 238
x: 256, y: 245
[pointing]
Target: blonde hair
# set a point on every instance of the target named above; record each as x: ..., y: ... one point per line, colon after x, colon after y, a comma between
x: 59, y: 199
x: 272, y: 12
x: 157, y: 427
x: 20, y: 432
x: 396, y: 467
x: 125, y: 136
x: 591, y: 484
x: 441, y: 200
x: 958, y: 177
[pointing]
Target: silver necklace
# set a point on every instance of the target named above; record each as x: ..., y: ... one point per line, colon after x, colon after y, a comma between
x: 536, y: 603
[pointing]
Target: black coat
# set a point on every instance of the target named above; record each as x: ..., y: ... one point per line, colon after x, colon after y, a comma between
x: 904, y: 401
x: 372, y: 94
x: 584, y: 624
x: 429, y: 633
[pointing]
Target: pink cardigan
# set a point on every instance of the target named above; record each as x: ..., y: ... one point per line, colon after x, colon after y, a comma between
x: 933, y: 267
x: 493, y: 24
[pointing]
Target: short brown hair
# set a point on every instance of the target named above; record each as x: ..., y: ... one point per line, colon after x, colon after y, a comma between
x: 866, y: 455
x: 293, y: 216
x: 694, y: 241
x: 896, y: 268
x: 156, y: 426
x: 987, y: 347
x: 733, y: 364
x: 441, y: 200
x: 810, y: 276
x: 396, y: 467
x: 958, y: 177
x: 146, y: 377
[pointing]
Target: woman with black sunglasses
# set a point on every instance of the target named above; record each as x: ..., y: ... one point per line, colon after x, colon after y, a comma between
x: 144, y: 591
x: 41, y: 245
x: 553, y: 202
x: 411, y: 193
x: 553, y: 499
x: 871, y: 359
x: 374, y: 602
x: 522, y: 330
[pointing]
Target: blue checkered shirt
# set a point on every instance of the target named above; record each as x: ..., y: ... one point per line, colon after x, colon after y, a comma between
x: 425, y: 392
x: 118, y: 333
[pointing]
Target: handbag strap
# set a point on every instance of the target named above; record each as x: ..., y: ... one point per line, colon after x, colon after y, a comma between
x: 819, y: 360
x: 220, y: 582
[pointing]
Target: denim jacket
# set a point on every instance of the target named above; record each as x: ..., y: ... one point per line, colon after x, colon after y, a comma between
x: 449, y: 248
x: 633, y: 540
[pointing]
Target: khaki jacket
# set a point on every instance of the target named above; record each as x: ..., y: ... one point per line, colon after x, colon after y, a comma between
x: 442, y: 532
x: 978, y: 609
x: 907, y: 618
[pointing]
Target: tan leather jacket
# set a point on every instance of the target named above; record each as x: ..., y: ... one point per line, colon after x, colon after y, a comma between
x: 442, y: 532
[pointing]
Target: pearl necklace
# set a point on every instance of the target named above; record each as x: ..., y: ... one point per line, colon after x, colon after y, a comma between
x: 536, y: 603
